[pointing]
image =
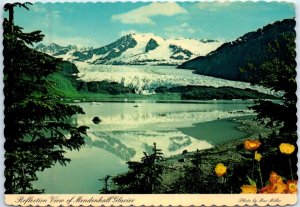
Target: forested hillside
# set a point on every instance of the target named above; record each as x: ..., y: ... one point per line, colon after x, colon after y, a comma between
x: 228, y: 60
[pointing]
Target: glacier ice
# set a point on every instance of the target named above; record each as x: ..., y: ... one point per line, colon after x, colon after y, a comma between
x: 144, y: 79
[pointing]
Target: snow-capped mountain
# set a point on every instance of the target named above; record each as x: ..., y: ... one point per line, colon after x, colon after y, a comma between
x: 59, y: 51
x: 55, y: 49
x: 138, y: 49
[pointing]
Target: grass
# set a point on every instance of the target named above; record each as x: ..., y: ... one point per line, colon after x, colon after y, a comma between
x: 63, y: 86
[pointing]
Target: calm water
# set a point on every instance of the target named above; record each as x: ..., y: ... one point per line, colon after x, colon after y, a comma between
x: 128, y: 129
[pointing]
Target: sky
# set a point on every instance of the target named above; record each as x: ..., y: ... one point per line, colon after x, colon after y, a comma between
x: 98, y: 24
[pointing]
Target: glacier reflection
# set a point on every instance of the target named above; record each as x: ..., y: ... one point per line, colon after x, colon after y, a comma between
x: 127, y: 131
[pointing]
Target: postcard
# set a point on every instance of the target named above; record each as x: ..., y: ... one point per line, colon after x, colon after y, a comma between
x: 150, y: 103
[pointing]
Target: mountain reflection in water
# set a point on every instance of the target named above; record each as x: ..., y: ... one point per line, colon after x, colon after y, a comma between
x: 127, y: 131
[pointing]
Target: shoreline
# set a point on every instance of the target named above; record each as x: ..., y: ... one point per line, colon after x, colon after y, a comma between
x: 218, y: 131
x: 175, y: 166
x: 155, y: 99
x: 249, y: 127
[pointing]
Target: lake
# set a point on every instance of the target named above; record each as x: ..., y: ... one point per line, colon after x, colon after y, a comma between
x: 129, y: 128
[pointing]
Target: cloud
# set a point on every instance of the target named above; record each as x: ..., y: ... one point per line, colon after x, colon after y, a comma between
x: 54, y: 14
x: 46, y: 16
x: 45, y: 12
x: 143, y: 14
x: 179, y: 30
x: 38, y: 8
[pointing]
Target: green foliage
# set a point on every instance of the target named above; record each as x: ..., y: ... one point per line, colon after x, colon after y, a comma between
x: 35, y: 130
x: 191, y: 92
x: 144, y: 176
x: 199, y: 177
x: 225, y: 93
x: 279, y: 73
x: 112, y: 88
x: 193, y: 179
x: 62, y: 85
x: 251, y: 182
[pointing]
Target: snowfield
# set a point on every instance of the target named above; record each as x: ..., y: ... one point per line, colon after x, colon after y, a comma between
x: 145, y: 79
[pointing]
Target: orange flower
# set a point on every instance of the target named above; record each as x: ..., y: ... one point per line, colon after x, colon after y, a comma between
x: 257, y: 156
x: 220, y: 169
x: 248, y: 189
x: 251, y: 144
x: 266, y: 190
x: 279, y: 187
x: 292, y: 186
x: 275, y: 178
x: 286, y: 148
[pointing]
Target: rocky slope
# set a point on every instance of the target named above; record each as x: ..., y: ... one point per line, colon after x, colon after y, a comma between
x: 227, y: 61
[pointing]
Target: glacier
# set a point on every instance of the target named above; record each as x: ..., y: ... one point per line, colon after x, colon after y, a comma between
x: 144, y: 79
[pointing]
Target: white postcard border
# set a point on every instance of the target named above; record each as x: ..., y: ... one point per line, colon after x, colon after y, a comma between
x: 151, y: 200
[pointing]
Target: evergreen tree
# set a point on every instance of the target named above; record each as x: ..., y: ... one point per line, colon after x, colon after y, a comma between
x: 36, y: 130
x: 152, y: 170
x: 144, y: 176
x: 279, y: 74
x: 105, y: 189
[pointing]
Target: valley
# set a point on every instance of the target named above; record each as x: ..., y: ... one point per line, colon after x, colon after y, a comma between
x: 146, y: 66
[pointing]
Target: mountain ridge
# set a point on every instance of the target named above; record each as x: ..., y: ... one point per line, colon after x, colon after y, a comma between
x: 137, y: 49
x: 251, y: 48
x: 54, y: 49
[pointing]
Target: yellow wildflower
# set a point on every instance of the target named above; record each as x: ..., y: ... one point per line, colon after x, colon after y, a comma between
x: 286, y: 148
x: 292, y: 186
x: 220, y: 169
x: 257, y: 156
x: 248, y: 189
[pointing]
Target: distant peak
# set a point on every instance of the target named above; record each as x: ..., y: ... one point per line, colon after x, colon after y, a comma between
x: 54, y: 44
x: 40, y: 45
